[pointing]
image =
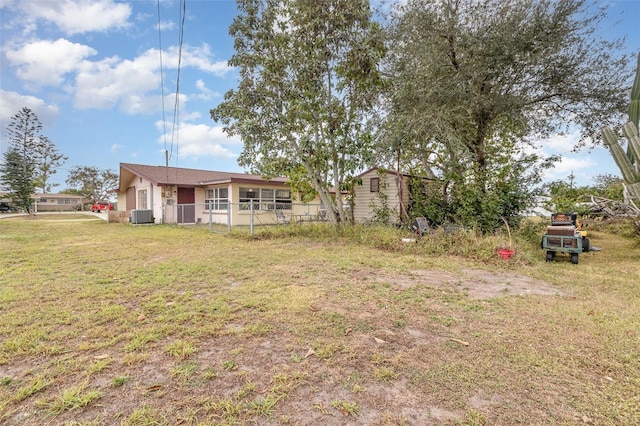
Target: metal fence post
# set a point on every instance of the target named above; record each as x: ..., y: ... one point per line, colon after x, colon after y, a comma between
x: 251, y: 217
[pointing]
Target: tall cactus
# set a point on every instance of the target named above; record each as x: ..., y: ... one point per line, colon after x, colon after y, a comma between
x: 634, y: 108
x: 629, y: 163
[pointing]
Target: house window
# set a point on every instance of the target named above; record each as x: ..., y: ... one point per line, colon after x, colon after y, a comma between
x: 248, y: 194
x: 216, y: 199
x: 265, y: 199
x: 283, y: 199
x: 374, y: 185
x: 142, y: 199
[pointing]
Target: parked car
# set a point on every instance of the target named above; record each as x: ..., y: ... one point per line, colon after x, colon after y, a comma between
x: 5, y: 208
x: 101, y: 206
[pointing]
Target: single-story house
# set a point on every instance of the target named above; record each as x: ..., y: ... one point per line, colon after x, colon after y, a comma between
x: 51, y: 202
x: 381, y: 193
x: 179, y: 195
x: 57, y: 202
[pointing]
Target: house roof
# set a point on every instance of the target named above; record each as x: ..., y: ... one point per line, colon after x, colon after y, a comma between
x: 47, y: 195
x: 162, y: 175
x: 60, y: 195
x: 375, y: 168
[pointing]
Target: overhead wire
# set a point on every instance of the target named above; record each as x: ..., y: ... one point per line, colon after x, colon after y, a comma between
x: 164, y: 120
x: 176, y: 110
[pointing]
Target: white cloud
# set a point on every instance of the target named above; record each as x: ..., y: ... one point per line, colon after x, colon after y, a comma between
x: 164, y: 25
x: 116, y: 147
x: 562, y: 143
x: 113, y: 81
x: 170, y: 106
x: 569, y: 165
x: 140, y: 104
x: 75, y: 17
x: 7, y: 3
x: 12, y: 102
x: 583, y: 165
x: 196, y: 57
x: 205, y: 94
x: 46, y: 62
x: 107, y: 83
x: 201, y: 140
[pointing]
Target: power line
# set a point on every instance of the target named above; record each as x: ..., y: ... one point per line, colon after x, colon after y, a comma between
x: 176, y: 109
x: 164, y: 121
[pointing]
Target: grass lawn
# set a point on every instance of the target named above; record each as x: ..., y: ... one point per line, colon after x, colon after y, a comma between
x: 104, y: 324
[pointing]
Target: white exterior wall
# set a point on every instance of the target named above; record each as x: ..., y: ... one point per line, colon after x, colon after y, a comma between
x: 156, y: 202
x: 56, y: 202
x: 169, y: 200
x: 154, y: 199
x: 363, y: 197
x: 121, y: 200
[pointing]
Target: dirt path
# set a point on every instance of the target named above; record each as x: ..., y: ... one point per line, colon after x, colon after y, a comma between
x: 479, y: 284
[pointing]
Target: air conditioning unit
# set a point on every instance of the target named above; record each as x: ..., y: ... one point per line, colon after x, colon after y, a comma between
x: 141, y: 216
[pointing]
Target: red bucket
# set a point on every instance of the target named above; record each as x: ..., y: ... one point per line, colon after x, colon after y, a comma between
x: 506, y: 253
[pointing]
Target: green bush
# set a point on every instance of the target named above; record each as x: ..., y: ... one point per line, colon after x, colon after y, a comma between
x: 467, y: 243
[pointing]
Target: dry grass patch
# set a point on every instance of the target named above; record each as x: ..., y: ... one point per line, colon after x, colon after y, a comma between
x: 113, y: 324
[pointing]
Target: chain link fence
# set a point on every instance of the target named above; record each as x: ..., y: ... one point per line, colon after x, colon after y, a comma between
x: 222, y: 217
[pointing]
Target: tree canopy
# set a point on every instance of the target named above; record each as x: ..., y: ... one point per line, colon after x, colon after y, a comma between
x: 468, y: 88
x: 475, y: 82
x: 48, y: 159
x: 308, y: 80
x: 92, y: 182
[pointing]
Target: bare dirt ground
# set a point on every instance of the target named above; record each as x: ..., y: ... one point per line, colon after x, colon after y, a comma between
x: 175, y: 326
x: 479, y: 284
x: 313, y: 382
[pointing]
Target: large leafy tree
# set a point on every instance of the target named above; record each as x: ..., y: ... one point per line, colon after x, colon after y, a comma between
x: 48, y: 159
x: 476, y: 81
x: 92, y: 182
x: 308, y: 79
x: 17, y: 173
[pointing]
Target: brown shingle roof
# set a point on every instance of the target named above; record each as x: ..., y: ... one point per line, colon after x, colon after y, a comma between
x: 161, y: 175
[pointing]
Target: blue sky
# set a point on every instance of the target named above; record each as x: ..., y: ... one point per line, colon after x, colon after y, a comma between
x: 90, y: 70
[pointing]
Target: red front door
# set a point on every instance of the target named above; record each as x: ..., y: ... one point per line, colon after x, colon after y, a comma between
x: 186, y: 205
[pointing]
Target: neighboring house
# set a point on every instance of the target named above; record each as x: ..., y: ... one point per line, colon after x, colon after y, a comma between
x: 382, y: 195
x: 52, y: 202
x: 57, y: 202
x: 179, y: 195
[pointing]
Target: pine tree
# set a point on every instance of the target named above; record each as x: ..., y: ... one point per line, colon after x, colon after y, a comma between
x: 17, y: 173
x: 15, y: 177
